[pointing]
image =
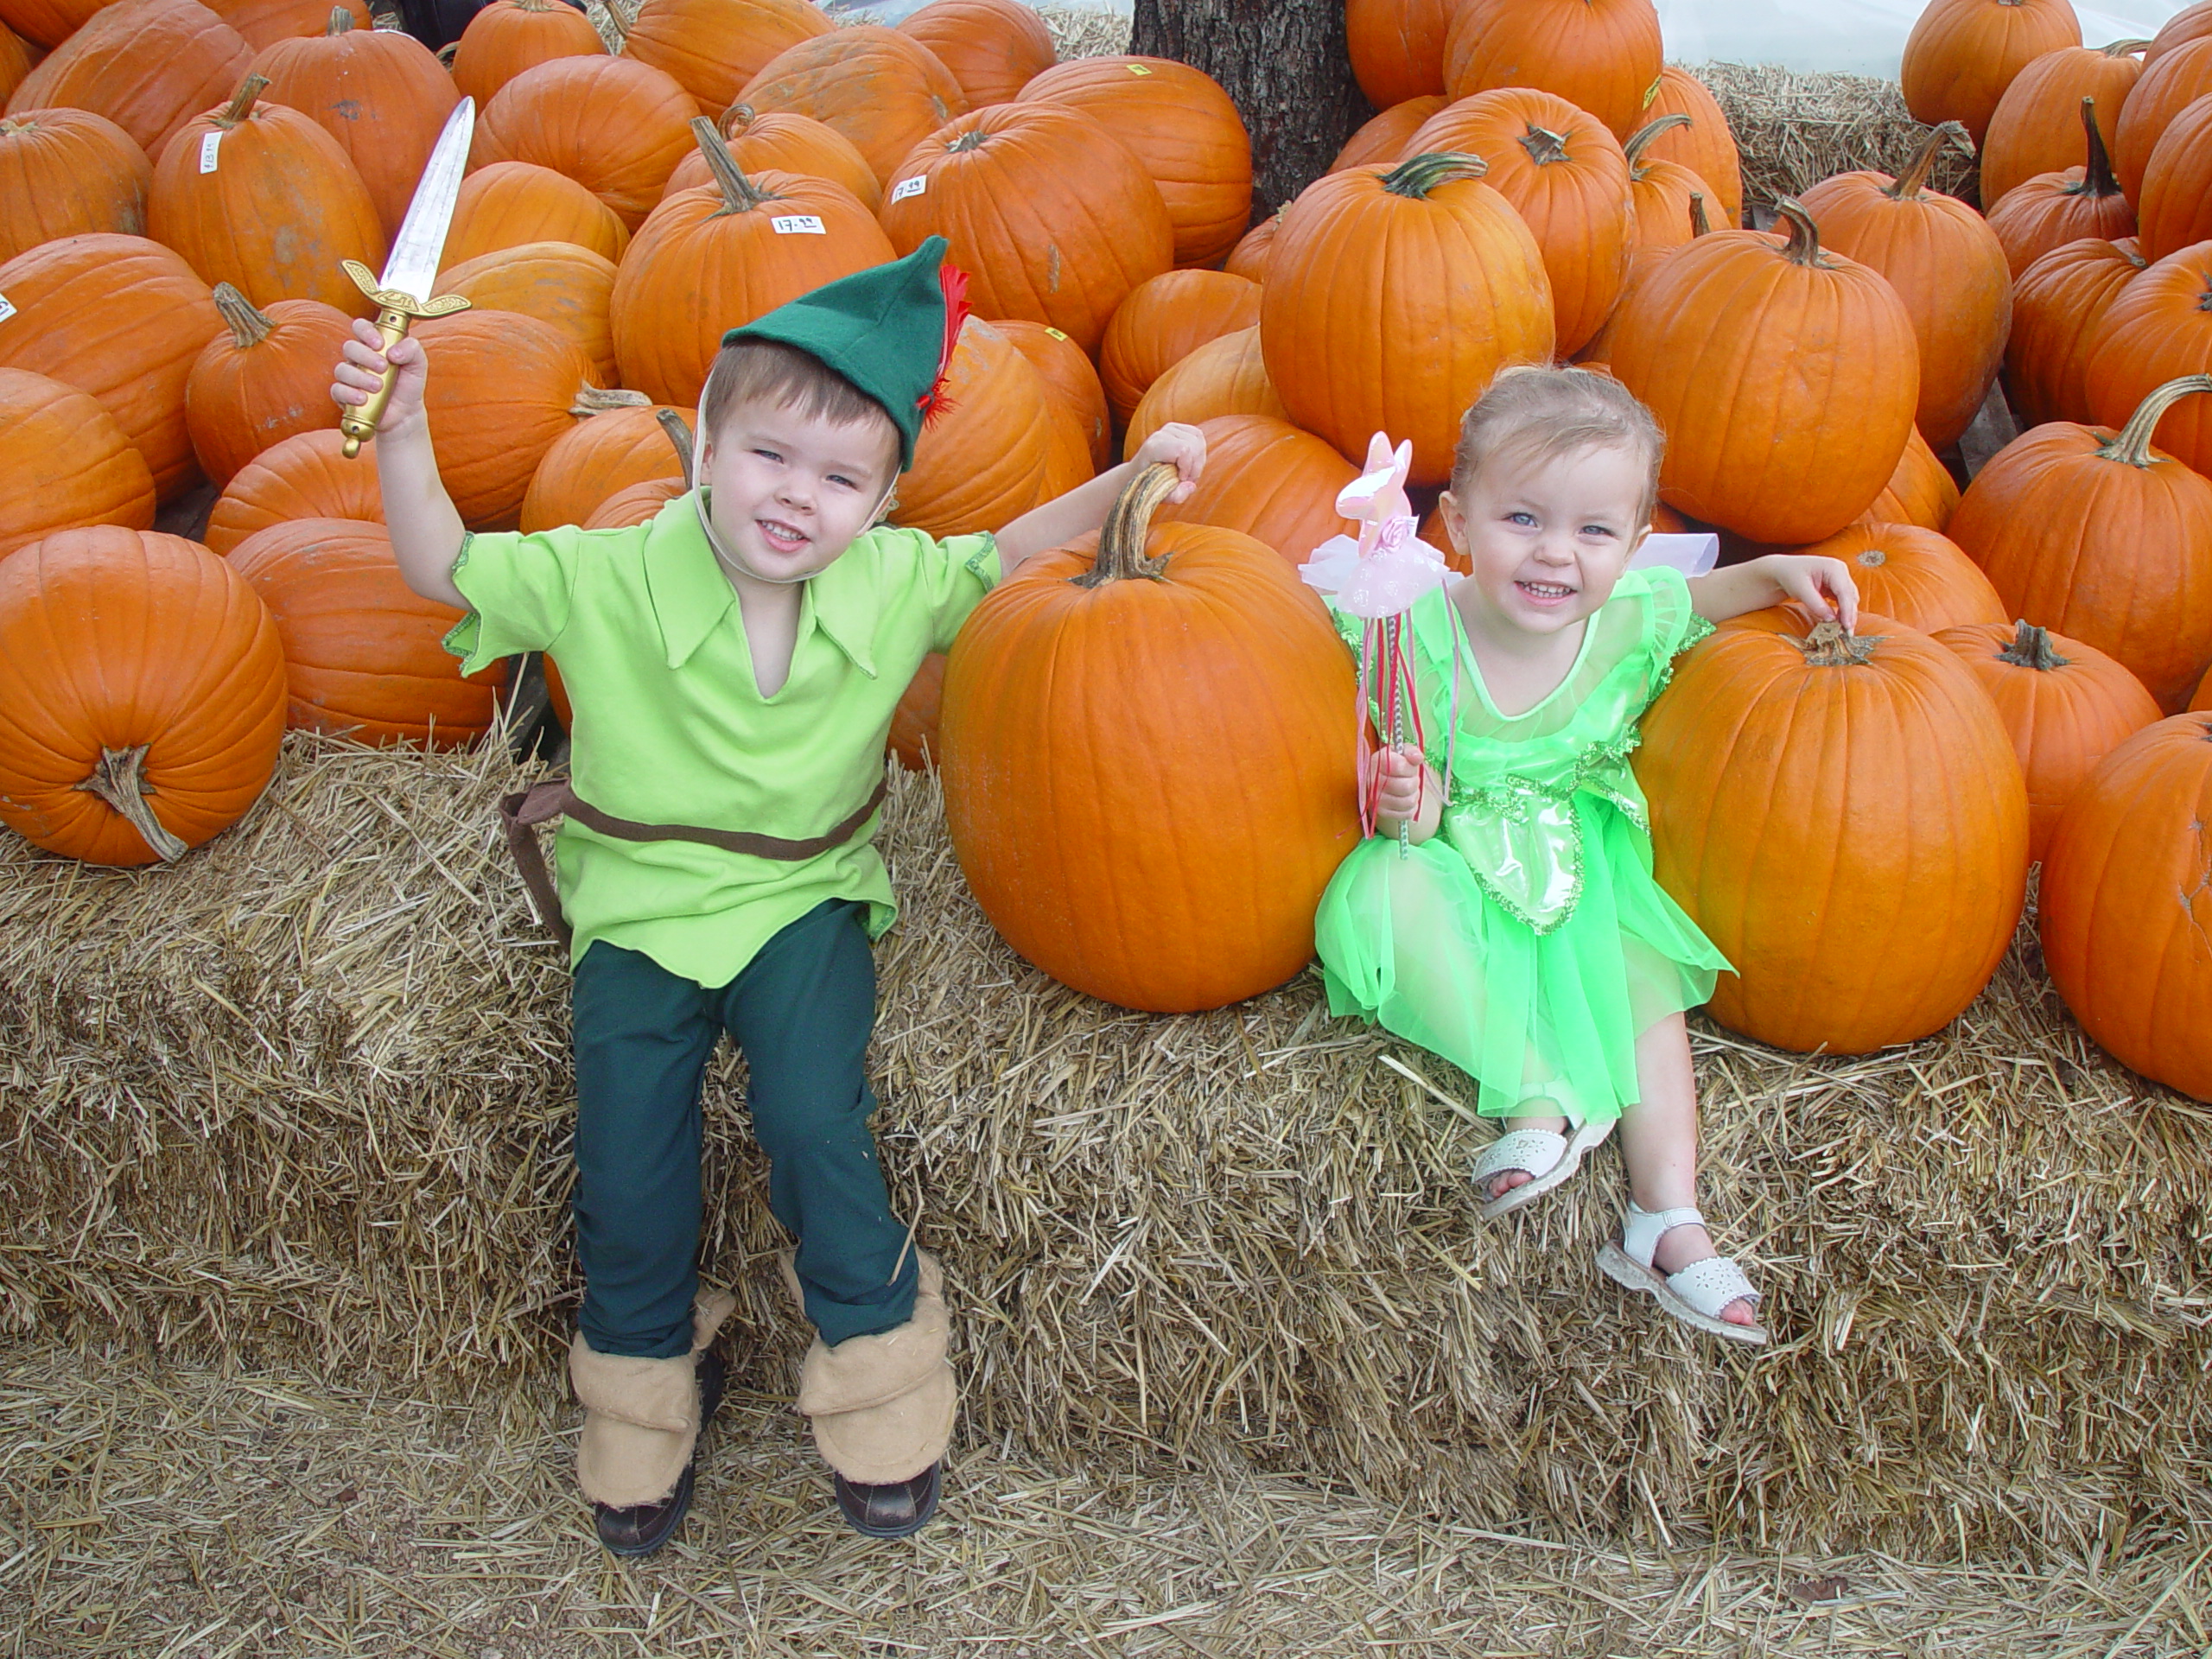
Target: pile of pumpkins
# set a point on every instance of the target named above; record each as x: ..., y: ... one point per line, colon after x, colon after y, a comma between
x: 180, y: 181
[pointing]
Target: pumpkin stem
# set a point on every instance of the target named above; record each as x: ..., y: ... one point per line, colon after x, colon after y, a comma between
x: 533, y: 5
x: 596, y: 400
x: 1701, y: 225
x: 2123, y: 48
x: 1128, y: 521
x: 1914, y: 184
x: 120, y: 780
x: 341, y: 22
x: 2097, y: 179
x: 1832, y: 646
x: 2031, y: 648
x: 739, y: 194
x: 1803, y: 247
x: 249, y: 327
x: 1417, y: 176
x: 445, y: 54
x: 1545, y: 147
x: 679, y: 435
x: 737, y: 119
x: 616, y: 21
x: 2132, y: 446
x: 1643, y: 137
x: 241, y: 104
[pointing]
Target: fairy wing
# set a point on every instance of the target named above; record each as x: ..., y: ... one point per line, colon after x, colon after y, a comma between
x: 1691, y: 555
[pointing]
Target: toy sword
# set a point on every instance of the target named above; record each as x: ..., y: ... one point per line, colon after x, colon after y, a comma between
x: 402, y: 293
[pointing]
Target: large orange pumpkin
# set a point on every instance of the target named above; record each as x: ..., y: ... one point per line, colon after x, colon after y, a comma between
x: 64, y: 462
x: 2033, y: 129
x: 276, y: 215
x: 1227, y: 376
x: 2167, y: 87
x: 2176, y: 208
x: 602, y: 455
x: 1600, y: 55
x: 1396, y: 48
x: 633, y: 504
x: 558, y: 282
x: 1380, y: 142
x: 885, y: 90
x: 363, y: 657
x: 1785, y: 377
x: 616, y: 126
x: 515, y: 204
x: 17, y: 55
x: 2067, y: 705
x: 1962, y: 55
x: 142, y: 695
x: 994, y: 47
x: 1393, y: 297
x: 1844, y: 817
x: 1567, y: 178
x: 306, y: 476
x: 2158, y: 327
x: 2052, y: 209
x: 913, y: 736
x: 1051, y: 219
x: 2191, y: 23
x: 1071, y: 378
x: 1272, y: 482
x: 2134, y: 965
x: 149, y: 65
x: 1914, y: 576
x: 1184, y: 132
x: 508, y: 36
x: 783, y: 143
x: 1163, y: 321
x: 1947, y: 267
x: 502, y: 388
x: 711, y: 259
x: 49, y: 22
x: 1147, y: 761
x: 1920, y: 492
x: 65, y: 171
x: 264, y: 378
x: 990, y: 456
x: 263, y: 23
x: 1706, y: 146
x: 2058, y: 304
x: 121, y: 318
x: 713, y: 47
x: 2096, y: 535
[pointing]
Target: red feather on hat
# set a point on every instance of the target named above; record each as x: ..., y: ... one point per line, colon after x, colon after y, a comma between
x: 954, y: 281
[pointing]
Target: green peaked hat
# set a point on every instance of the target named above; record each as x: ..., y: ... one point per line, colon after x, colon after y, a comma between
x: 888, y: 329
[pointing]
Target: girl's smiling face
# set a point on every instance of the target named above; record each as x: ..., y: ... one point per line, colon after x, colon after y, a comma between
x: 791, y: 491
x: 1548, y: 537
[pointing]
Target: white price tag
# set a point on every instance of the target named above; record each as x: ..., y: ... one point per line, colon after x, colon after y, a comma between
x: 209, y: 144
x: 798, y: 224
x: 6, y: 309
x: 912, y: 187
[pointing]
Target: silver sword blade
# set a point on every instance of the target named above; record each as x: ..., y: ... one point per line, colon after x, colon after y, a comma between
x: 413, y: 267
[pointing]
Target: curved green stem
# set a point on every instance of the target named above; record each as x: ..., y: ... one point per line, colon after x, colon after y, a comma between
x: 2131, y: 446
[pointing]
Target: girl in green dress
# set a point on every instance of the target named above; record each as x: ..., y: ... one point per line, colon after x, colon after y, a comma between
x: 1515, y: 928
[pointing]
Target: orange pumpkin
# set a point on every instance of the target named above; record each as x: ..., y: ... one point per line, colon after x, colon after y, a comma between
x: 711, y: 259
x: 2033, y: 129
x: 2167, y: 87
x: 121, y: 318
x: 1914, y: 576
x: 49, y: 22
x: 1249, y: 257
x: 1272, y: 482
x: 913, y: 737
x: 279, y: 212
x: 142, y: 695
x: 263, y: 23
x: 1184, y: 132
x: 885, y: 90
x: 616, y: 126
x: 783, y: 143
x: 378, y: 92
x: 713, y: 47
x: 2067, y: 705
x: 1567, y: 178
x: 989, y: 458
x: 1392, y: 299
x: 1663, y: 194
x: 2191, y: 23
x: 602, y: 455
x: 2096, y: 535
x: 264, y: 378
x: 1163, y: 321
x: 2177, y: 200
x: 1396, y: 48
x: 501, y: 389
x: 306, y: 476
x: 1785, y: 379
x: 65, y: 462
x: 994, y: 47
x: 1602, y: 55
x: 1947, y: 267
x: 1706, y: 146
x: 2131, y: 963
x: 149, y: 65
x: 1228, y: 376
x: 2158, y: 327
x: 508, y: 36
x: 2052, y: 209
x: 1093, y: 703
x: 515, y: 204
x: 2202, y: 701
x: 633, y: 504
x: 1784, y: 767
x: 558, y: 282
x: 1596, y: 353
x: 1962, y: 55
x: 17, y: 55
x: 1070, y: 377
x: 1920, y: 492
x: 1051, y: 218
x: 2058, y: 304
x: 364, y: 656
x: 1382, y: 140
x: 65, y: 171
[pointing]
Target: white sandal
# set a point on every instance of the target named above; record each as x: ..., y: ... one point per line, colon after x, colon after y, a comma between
x: 1545, y: 1156
x: 1697, y: 1293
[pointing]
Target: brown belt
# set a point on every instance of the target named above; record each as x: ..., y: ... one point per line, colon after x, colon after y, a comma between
x: 554, y: 799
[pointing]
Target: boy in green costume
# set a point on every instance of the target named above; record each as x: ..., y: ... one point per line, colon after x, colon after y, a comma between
x: 733, y: 664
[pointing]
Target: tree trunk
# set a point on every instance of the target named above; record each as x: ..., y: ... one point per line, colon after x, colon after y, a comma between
x: 1285, y: 64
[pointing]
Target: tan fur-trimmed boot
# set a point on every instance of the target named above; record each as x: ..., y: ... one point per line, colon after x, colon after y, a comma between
x: 637, y: 1458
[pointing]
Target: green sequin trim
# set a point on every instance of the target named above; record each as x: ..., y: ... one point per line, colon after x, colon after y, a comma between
x: 454, y: 644
x: 986, y: 546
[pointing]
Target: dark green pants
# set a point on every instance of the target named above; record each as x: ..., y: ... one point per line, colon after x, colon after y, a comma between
x: 800, y: 1012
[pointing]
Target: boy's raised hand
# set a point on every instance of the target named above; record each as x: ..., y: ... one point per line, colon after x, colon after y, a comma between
x: 1183, y: 448
x: 360, y: 371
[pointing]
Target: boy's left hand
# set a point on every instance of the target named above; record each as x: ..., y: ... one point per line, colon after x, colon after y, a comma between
x: 1182, y: 447
x: 1822, y: 586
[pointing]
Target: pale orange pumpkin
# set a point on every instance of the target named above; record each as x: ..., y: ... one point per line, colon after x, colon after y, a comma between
x: 1249, y: 257
x: 1396, y: 48
x: 1382, y: 140
x: 603, y: 454
x: 1914, y: 576
x: 783, y: 143
x: 616, y: 126
x: 65, y: 463
x: 263, y: 378
x: 1228, y: 376
x: 713, y: 47
x: 1271, y: 481
x: 2058, y: 304
x: 1600, y: 55
x: 1962, y: 56
x: 994, y: 47
x: 66, y: 172
x: 1706, y: 146
x: 1071, y: 378
x: 307, y: 475
x: 2052, y: 209
x: 885, y: 90
x: 1165, y: 320
x: 990, y: 456
x: 2033, y: 129
x: 556, y: 282
x: 149, y: 65
x: 1920, y: 492
x: 508, y: 36
x: 514, y: 204
x: 502, y: 388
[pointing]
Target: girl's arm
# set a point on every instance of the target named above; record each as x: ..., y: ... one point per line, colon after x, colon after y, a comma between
x: 1083, y: 508
x: 1779, y: 577
x: 426, y: 532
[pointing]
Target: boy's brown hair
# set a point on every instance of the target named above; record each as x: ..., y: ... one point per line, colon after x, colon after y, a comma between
x: 1539, y: 413
x: 767, y: 370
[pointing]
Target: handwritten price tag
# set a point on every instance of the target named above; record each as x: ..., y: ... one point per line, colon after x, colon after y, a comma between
x: 912, y: 187
x: 6, y: 309
x: 1137, y: 68
x: 209, y: 144
x: 798, y: 224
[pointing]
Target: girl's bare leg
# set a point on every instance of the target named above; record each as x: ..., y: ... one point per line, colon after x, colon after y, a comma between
x: 1658, y: 1137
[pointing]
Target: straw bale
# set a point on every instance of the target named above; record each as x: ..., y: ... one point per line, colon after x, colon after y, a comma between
x: 304, y: 1099
x: 1086, y: 31
x: 1795, y: 129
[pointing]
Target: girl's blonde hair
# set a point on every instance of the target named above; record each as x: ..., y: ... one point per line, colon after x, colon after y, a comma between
x: 1539, y: 413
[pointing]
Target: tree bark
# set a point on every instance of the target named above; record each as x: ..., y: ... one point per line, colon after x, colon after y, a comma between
x: 1285, y: 64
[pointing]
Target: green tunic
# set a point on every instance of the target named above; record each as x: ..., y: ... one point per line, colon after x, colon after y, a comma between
x: 1527, y: 942
x: 671, y: 726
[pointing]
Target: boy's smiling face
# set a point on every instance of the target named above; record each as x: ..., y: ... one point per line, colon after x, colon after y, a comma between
x: 791, y: 491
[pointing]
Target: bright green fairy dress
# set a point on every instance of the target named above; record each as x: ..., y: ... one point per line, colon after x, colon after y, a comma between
x: 1526, y: 941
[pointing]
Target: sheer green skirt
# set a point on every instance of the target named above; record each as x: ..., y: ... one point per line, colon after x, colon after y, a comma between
x: 1416, y: 943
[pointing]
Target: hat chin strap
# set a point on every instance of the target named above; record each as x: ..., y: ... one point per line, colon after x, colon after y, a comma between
x: 729, y: 557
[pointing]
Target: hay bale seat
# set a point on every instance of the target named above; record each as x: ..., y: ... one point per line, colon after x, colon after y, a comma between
x: 304, y: 1099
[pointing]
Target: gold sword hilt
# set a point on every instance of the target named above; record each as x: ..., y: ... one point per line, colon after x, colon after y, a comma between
x: 397, y: 310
